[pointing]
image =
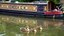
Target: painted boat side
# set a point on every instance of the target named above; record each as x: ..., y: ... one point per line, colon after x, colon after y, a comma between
x: 39, y: 13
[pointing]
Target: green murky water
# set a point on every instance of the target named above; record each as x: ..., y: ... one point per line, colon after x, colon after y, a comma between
x: 10, y: 26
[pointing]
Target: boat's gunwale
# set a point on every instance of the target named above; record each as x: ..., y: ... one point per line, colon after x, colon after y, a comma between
x: 25, y: 3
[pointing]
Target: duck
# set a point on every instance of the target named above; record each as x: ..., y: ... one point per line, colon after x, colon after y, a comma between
x: 39, y: 28
x: 25, y: 29
x: 33, y: 30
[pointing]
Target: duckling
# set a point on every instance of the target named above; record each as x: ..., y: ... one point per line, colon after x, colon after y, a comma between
x: 39, y: 28
x: 33, y: 30
x: 25, y: 29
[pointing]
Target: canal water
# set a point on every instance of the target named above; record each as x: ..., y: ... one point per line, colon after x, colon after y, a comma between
x: 13, y: 25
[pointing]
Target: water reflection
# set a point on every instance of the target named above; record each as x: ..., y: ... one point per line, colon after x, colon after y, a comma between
x: 10, y: 26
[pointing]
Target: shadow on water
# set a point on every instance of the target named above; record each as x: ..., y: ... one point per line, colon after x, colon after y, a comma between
x: 12, y: 26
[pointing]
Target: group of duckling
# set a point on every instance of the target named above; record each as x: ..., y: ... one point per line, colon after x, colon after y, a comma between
x: 27, y: 29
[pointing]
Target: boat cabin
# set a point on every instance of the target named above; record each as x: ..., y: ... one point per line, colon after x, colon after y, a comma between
x: 33, y: 6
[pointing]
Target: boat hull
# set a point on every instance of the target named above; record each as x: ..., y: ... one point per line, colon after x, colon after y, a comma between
x: 29, y: 14
x: 20, y: 13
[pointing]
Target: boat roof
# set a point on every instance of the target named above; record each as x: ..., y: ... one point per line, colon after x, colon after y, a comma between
x: 25, y: 2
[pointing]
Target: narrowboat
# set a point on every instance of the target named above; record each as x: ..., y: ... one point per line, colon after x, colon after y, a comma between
x: 36, y: 9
